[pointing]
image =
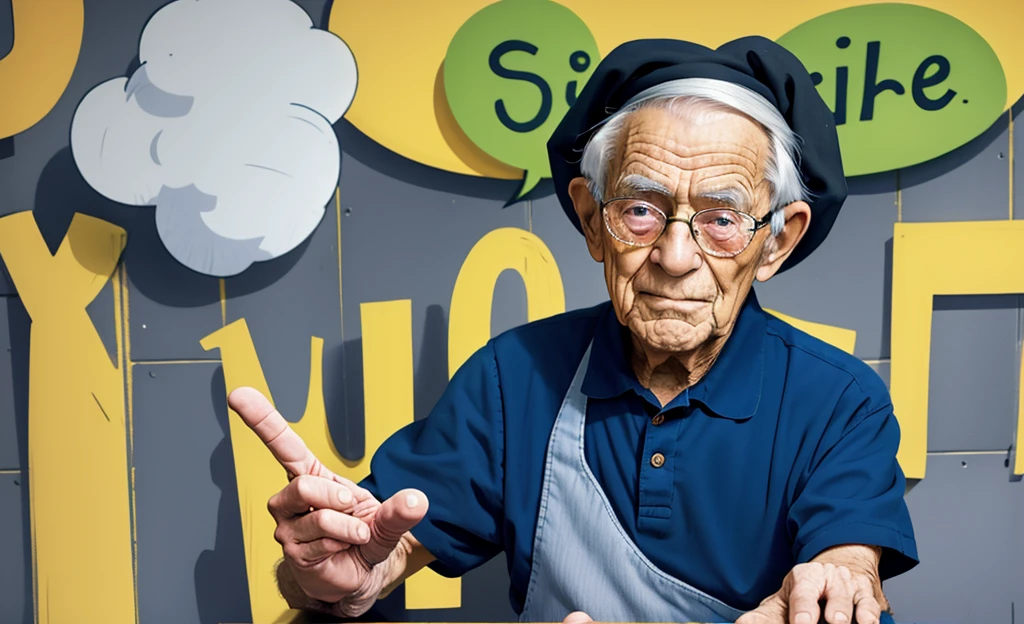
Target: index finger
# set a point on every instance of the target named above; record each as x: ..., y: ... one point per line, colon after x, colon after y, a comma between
x: 271, y: 427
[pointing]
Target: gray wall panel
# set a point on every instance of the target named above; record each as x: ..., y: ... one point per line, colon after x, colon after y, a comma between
x: 8, y: 422
x: 484, y: 598
x: 393, y: 248
x: 171, y: 307
x: 967, y: 517
x: 508, y: 308
x: 1018, y: 160
x: 191, y: 564
x: 582, y: 278
x: 972, y: 390
x: 845, y: 282
x: 6, y: 28
x: 14, y: 404
x: 285, y: 302
x: 6, y: 283
x: 883, y: 368
x: 15, y: 551
x: 969, y: 184
x: 101, y: 313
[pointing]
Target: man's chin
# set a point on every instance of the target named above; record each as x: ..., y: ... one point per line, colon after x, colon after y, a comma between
x: 670, y: 334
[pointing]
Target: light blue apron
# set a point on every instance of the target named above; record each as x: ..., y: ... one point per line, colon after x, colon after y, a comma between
x: 583, y: 560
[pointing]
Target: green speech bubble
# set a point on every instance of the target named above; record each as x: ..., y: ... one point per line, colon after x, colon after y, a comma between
x: 511, y: 73
x: 906, y: 83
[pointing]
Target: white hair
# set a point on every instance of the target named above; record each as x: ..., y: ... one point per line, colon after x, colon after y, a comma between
x: 781, y: 169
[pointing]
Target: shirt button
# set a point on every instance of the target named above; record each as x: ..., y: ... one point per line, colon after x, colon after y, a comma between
x: 657, y: 460
x: 657, y: 420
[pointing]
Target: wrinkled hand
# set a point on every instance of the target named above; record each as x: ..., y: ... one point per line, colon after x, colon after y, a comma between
x: 849, y: 598
x: 338, y: 540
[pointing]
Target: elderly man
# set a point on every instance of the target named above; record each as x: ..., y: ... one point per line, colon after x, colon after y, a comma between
x: 675, y: 454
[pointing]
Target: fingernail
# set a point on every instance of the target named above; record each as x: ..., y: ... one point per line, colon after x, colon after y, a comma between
x: 411, y: 501
x: 344, y: 496
x: 803, y: 618
x: 840, y: 617
x: 363, y: 532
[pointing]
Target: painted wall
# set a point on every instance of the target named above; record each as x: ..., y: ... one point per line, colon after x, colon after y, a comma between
x: 117, y: 355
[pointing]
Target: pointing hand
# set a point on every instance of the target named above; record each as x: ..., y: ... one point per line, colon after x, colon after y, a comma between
x: 338, y: 540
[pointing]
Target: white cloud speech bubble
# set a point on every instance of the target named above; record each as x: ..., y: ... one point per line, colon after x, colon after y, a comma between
x: 225, y: 128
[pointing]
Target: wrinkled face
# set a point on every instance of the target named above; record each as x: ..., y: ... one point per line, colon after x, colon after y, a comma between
x: 671, y: 295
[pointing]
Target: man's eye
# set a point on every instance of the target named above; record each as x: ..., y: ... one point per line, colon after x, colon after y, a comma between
x: 639, y: 211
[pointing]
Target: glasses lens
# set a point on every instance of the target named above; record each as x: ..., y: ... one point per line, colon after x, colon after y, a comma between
x: 634, y: 221
x: 723, y: 231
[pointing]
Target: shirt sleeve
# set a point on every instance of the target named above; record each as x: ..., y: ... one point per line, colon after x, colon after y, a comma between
x: 854, y: 494
x: 456, y: 457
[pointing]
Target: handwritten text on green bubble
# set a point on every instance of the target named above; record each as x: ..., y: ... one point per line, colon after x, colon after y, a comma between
x: 511, y: 73
x: 906, y: 83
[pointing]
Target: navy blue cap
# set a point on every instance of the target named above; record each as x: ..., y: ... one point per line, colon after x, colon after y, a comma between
x: 756, y: 63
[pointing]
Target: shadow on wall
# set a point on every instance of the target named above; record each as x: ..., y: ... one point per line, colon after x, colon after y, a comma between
x: 222, y: 589
x: 384, y: 160
x: 19, y: 325
x: 6, y: 28
x: 61, y: 192
x: 886, y: 334
x: 343, y: 384
x: 220, y: 579
x: 6, y: 45
x: 221, y: 586
x: 394, y: 165
x: 432, y: 365
x: 381, y: 159
x: 946, y: 163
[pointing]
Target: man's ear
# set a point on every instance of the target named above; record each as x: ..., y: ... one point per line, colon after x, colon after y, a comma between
x: 590, y: 216
x: 798, y: 219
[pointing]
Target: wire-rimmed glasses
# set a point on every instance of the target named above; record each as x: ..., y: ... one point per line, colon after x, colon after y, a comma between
x: 719, y: 232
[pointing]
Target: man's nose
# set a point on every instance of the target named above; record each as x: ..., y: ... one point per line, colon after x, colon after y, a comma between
x: 676, y: 252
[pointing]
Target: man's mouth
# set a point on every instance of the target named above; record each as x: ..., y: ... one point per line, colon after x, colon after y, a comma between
x: 679, y: 303
x: 674, y: 297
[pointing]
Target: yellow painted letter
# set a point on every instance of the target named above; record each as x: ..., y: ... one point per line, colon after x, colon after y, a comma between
x: 77, y: 442
x: 921, y: 270
x: 388, y: 390
x: 838, y: 337
x: 469, y: 325
x: 47, y: 39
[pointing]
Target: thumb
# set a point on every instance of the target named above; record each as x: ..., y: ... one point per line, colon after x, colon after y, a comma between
x: 393, y: 519
x: 577, y: 617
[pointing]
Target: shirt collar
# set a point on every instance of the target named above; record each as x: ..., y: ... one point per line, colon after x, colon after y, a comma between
x: 608, y: 371
x: 731, y: 388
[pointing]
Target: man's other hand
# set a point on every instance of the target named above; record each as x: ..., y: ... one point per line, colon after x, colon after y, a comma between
x: 341, y: 546
x: 849, y: 595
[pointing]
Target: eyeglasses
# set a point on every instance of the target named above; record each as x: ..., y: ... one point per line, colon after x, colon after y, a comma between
x: 719, y: 232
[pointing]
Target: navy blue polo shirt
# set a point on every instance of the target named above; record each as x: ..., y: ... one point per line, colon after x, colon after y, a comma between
x: 786, y: 447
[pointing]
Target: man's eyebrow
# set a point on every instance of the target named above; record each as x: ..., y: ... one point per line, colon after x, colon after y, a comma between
x: 733, y: 198
x: 637, y: 183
